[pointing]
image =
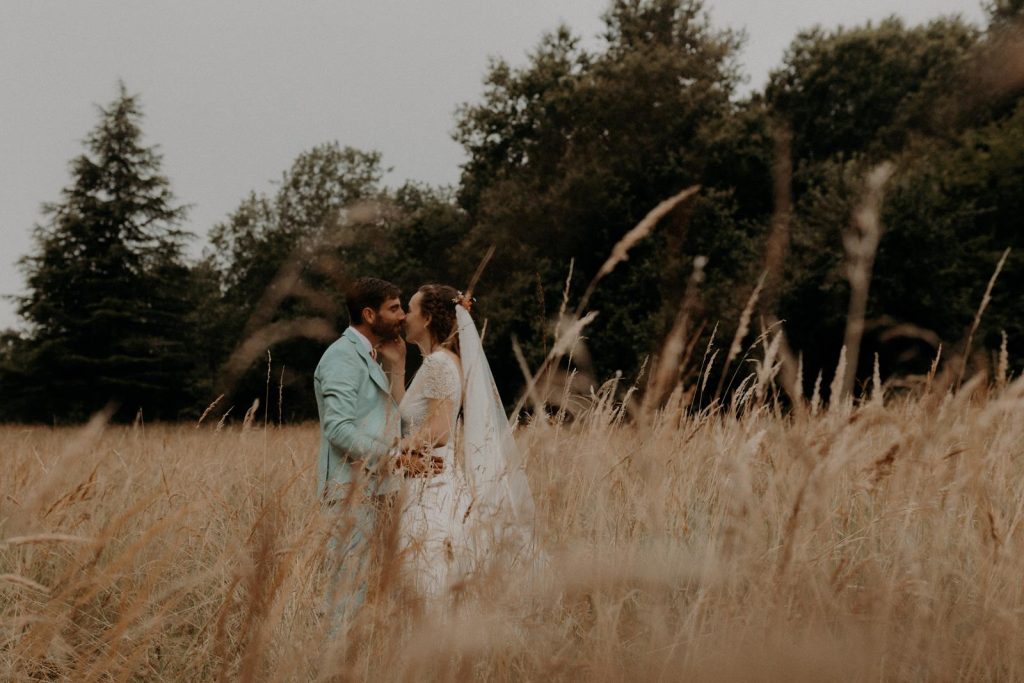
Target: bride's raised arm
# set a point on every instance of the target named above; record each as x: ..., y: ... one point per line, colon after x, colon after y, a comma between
x: 393, y: 353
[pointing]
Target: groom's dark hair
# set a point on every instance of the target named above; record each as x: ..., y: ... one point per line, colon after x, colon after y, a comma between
x: 368, y: 292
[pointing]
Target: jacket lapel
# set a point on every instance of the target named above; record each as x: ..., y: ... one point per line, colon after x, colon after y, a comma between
x: 376, y: 373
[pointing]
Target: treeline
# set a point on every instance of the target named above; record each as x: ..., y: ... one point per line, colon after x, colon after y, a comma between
x: 565, y: 155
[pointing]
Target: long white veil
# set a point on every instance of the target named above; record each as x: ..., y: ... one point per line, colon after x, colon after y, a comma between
x: 502, y: 508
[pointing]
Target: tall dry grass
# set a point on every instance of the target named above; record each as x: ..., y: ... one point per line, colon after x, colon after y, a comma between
x: 879, y: 541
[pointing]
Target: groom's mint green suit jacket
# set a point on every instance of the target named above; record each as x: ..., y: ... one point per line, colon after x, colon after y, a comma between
x: 359, y: 419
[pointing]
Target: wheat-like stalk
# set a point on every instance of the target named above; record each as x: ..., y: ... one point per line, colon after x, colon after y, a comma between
x: 1002, y: 369
x: 861, y: 243
x: 986, y: 299
x: 208, y: 410
x: 620, y: 251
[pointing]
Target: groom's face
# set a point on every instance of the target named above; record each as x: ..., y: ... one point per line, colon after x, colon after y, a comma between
x: 388, y: 320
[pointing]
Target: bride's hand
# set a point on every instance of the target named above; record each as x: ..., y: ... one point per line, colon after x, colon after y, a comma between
x: 411, y: 464
x: 414, y: 463
x: 404, y: 451
x: 392, y: 352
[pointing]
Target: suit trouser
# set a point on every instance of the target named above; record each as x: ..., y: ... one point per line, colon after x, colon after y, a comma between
x: 355, y: 551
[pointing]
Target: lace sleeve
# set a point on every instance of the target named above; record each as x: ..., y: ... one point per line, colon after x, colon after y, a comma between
x: 440, y: 377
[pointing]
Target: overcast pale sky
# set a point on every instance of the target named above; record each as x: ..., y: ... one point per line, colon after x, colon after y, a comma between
x: 233, y: 91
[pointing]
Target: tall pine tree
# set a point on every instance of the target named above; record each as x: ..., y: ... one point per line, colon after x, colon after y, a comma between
x: 105, y: 307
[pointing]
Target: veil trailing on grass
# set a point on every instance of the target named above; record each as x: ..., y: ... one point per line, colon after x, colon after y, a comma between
x: 502, y: 509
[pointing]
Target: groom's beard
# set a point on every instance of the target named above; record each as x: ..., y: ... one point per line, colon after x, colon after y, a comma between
x: 386, y: 331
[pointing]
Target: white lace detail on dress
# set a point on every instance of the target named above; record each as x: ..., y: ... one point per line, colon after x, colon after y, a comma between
x: 440, y: 377
x: 437, y: 378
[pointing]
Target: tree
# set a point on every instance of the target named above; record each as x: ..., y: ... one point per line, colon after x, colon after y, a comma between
x: 954, y: 212
x: 1003, y: 12
x: 855, y: 97
x: 569, y: 152
x: 103, y: 310
x: 867, y: 89
x: 12, y: 378
x: 266, y: 258
x: 311, y: 201
x: 287, y: 256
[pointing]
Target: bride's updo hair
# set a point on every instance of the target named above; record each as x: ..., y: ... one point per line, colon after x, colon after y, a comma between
x: 437, y: 301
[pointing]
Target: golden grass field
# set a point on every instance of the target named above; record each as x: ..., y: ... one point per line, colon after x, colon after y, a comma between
x: 871, y: 541
x: 876, y: 539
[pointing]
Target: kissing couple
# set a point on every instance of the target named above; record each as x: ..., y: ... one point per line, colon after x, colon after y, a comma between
x: 434, y: 459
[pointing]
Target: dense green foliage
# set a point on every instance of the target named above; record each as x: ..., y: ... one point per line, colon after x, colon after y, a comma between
x: 564, y: 155
x: 568, y: 153
x: 947, y: 213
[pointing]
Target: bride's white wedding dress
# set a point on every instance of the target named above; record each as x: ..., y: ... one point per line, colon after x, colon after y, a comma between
x: 434, y: 510
x: 479, y: 507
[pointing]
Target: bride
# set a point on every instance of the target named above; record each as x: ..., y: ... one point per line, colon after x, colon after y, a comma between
x: 467, y: 494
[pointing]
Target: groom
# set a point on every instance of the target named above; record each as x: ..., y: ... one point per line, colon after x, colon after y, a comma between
x: 359, y: 427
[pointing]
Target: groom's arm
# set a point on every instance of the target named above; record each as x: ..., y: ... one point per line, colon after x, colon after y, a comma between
x: 341, y: 428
